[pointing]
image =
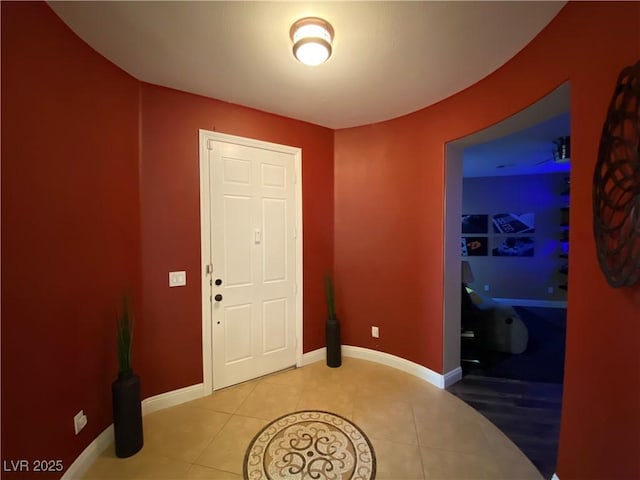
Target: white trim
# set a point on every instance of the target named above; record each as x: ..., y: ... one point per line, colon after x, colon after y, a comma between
x: 555, y: 477
x: 173, y: 398
x: 152, y: 404
x: 525, y: 302
x: 452, y: 377
x: 297, y: 166
x: 314, y: 356
x: 205, y: 255
x: 451, y: 266
x: 205, y: 241
x: 89, y: 455
x: 393, y: 361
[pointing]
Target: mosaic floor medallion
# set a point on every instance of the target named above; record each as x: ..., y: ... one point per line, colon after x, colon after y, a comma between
x: 310, y: 445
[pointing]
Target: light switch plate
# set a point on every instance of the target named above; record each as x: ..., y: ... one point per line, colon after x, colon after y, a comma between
x: 177, y: 279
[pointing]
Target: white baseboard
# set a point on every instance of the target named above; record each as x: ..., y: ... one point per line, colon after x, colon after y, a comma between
x: 452, y: 377
x: 173, y: 398
x: 395, y: 362
x: 152, y: 404
x: 525, y: 302
x: 89, y: 455
x: 399, y: 363
x: 314, y: 356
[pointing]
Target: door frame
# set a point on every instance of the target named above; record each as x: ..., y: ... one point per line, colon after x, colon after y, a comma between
x: 205, y: 241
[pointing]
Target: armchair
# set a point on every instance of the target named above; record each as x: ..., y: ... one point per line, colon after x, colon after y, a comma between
x: 488, y: 325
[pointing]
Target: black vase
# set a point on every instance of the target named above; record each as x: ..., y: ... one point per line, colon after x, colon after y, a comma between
x: 334, y: 354
x: 127, y: 414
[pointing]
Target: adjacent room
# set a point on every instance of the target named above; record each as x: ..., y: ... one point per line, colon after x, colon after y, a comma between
x: 513, y: 323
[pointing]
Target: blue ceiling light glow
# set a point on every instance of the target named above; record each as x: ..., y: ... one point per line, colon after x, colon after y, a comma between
x: 530, y: 151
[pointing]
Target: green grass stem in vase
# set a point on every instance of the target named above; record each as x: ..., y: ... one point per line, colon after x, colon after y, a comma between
x: 125, y: 339
x: 330, y: 295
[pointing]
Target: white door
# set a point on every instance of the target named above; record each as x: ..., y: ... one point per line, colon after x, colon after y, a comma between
x: 253, y: 255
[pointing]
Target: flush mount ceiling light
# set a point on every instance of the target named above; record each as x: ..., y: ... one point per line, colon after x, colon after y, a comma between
x: 312, y: 38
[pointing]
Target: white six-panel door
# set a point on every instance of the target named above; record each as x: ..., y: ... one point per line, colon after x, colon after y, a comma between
x: 252, y: 280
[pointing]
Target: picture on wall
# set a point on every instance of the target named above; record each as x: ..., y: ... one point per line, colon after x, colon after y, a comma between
x: 475, y: 223
x: 513, y: 246
x: 514, y: 223
x: 475, y: 246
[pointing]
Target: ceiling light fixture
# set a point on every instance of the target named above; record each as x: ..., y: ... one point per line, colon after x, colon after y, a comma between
x: 312, y: 38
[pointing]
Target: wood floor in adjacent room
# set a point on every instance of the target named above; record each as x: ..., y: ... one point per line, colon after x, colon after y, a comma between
x: 526, y: 412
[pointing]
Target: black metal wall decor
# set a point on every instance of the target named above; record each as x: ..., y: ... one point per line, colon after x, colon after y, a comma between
x: 616, y: 184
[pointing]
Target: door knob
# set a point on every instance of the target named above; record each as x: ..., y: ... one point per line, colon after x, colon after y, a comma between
x: 218, y: 297
x: 218, y: 281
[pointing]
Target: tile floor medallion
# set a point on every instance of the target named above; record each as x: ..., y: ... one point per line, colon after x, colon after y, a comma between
x: 310, y: 444
x: 418, y: 431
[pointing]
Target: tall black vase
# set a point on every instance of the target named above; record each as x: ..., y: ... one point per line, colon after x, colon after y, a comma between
x: 127, y: 414
x: 334, y: 354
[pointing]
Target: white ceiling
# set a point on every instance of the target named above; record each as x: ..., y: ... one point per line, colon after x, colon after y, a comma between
x: 389, y: 58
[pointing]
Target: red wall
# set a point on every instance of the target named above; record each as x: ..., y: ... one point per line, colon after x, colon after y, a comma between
x: 96, y: 166
x: 389, y: 201
x: 170, y: 196
x: 70, y: 232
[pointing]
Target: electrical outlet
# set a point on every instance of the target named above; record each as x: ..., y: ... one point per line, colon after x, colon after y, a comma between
x: 177, y: 279
x: 79, y: 421
x: 486, y: 288
x: 375, y: 332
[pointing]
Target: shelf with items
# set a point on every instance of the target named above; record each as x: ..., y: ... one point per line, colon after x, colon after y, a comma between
x: 564, y: 217
x: 564, y: 232
x: 564, y: 252
x: 566, y: 191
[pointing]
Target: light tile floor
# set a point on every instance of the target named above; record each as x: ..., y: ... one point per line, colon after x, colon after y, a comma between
x: 417, y: 430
